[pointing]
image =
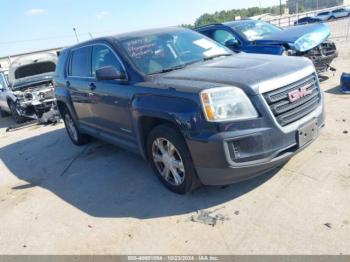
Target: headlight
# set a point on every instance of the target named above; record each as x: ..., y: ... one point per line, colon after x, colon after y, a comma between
x: 289, y: 52
x: 226, y: 104
x: 310, y: 40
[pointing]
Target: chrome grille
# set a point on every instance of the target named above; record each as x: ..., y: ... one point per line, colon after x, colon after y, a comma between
x: 286, y: 111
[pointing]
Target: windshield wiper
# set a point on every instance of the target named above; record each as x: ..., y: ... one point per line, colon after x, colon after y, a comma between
x: 215, y: 56
x: 169, y: 69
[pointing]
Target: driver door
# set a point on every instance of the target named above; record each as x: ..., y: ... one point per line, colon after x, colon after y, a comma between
x: 111, y: 106
x: 224, y: 37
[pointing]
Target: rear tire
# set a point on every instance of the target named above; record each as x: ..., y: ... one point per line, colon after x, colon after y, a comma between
x: 15, y: 115
x: 171, y: 159
x: 73, y: 132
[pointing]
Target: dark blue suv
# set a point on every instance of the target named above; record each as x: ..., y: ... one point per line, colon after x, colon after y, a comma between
x: 198, y: 112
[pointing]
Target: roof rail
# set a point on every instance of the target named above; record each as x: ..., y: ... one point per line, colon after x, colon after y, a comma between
x: 223, y: 23
x: 208, y: 25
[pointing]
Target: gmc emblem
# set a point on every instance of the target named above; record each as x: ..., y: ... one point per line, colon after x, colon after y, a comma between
x: 299, y: 93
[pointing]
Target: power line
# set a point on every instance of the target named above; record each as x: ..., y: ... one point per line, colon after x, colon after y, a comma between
x: 52, y: 38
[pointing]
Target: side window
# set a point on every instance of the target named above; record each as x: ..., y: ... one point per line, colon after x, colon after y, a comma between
x: 222, y: 36
x: 206, y: 33
x: 103, y: 56
x: 80, y: 62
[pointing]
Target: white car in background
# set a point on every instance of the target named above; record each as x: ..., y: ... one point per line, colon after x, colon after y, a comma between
x: 334, y: 14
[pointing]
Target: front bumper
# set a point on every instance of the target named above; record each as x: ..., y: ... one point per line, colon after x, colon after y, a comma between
x: 240, y: 152
x: 322, y: 56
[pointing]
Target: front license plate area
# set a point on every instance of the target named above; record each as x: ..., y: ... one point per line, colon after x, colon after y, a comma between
x: 307, y: 133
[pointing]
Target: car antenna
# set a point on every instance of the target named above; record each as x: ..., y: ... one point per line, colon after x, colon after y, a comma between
x: 76, y: 35
x: 91, y: 35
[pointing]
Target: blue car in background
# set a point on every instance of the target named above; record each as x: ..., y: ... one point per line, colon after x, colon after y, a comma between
x: 308, y: 20
x: 255, y: 36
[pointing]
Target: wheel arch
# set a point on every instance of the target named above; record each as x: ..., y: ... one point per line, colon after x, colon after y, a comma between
x: 146, y: 124
x: 148, y: 111
x: 64, y: 101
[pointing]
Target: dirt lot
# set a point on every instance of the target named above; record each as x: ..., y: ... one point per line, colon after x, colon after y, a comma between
x: 56, y: 198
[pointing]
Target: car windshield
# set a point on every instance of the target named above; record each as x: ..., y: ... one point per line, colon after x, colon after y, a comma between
x: 324, y: 13
x: 254, y: 30
x: 171, y: 50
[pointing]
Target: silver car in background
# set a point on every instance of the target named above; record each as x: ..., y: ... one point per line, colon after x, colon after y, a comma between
x: 28, y: 92
x: 334, y: 14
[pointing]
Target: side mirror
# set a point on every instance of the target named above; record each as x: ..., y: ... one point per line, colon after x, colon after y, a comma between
x: 232, y: 43
x: 109, y: 73
x: 2, y: 88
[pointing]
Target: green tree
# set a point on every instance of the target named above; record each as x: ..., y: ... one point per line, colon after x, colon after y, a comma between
x: 230, y: 15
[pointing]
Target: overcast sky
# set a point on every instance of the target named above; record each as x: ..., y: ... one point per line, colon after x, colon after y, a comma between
x: 28, y: 25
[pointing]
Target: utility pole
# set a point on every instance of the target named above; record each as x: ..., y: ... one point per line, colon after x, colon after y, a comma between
x: 281, y: 7
x: 297, y: 7
x: 76, y: 35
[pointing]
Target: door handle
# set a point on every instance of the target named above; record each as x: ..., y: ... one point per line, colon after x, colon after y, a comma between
x: 68, y: 84
x: 92, y: 86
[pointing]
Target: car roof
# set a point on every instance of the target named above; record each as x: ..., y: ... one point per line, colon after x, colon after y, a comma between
x: 129, y: 35
x: 229, y: 23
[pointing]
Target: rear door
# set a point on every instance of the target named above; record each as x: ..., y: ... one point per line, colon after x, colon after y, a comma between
x: 337, y: 13
x: 78, y: 83
x: 343, y: 13
x: 111, y: 98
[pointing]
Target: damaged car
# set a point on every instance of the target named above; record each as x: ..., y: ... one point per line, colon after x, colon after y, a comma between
x: 200, y: 113
x: 30, y: 90
x: 252, y: 36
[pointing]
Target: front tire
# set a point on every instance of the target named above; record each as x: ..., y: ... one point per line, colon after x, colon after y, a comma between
x: 171, y: 159
x: 15, y: 114
x: 73, y: 132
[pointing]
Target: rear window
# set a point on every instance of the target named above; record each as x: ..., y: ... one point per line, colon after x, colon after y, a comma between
x: 81, y: 62
x: 35, y: 69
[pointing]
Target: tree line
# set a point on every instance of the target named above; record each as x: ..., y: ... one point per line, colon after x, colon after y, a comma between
x: 230, y: 15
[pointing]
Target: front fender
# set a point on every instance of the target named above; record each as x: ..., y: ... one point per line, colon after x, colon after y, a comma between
x: 184, y: 113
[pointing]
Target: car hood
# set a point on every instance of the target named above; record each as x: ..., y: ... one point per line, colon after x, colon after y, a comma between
x: 246, y: 71
x: 300, y: 38
x: 33, y: 81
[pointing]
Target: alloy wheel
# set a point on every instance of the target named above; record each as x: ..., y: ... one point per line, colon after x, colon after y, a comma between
x: 71, y: 128
x: 168, y: 161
